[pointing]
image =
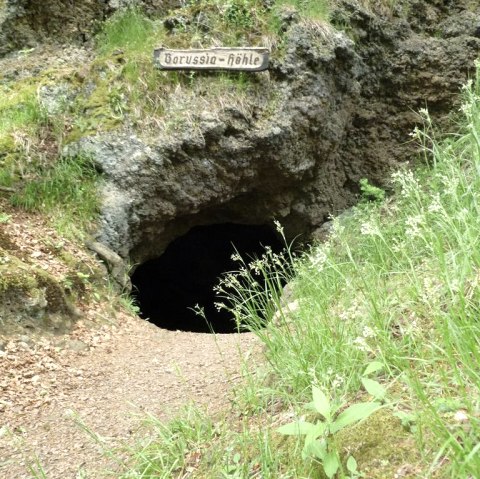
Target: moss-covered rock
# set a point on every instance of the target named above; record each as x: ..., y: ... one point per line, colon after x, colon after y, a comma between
x: 382, y: 447
x: 31, y: 298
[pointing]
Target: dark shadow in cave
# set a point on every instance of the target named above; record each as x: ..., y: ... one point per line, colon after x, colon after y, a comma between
x: 166, y: 287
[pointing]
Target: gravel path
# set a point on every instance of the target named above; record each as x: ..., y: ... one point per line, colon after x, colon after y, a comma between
x: 105, y: 377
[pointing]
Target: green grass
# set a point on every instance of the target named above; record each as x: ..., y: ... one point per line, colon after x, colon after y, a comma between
x: 131, y: 87
x: 67, y: 191
x: 128, y: 30
x: 19, y: 107
x: 309, y: 9
x: 124, y: 86
x: 21, y: 118
x: 398, y: 283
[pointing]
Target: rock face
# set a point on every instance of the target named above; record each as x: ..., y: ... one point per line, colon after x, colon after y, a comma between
x: 233, y: 165
x: 332, y: 110
x: 25, y: 23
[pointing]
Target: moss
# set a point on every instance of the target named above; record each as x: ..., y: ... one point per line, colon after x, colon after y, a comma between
x: 6, y: 243
x: 381, y: 446
x: 99, y: 110
x: 15, y: 275
x: 54, y: 293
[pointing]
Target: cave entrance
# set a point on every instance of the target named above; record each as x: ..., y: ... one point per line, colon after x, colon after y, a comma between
x: 167, y: 288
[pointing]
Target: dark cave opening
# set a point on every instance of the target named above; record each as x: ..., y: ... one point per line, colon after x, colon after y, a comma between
x: 167, y: 287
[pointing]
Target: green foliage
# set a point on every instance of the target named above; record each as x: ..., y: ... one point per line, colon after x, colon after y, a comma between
x: 167, y: 453
x: 398, y: 281
x: 127, y: 30
x: 19, y: 107
x: 67, y: 190
x: 21, y: 117
x: 319, y: 437
x: 238, y: 13
x: 309, y: 9
x: 371, y: 192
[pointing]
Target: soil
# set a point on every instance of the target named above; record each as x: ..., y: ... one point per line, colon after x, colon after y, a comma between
x: 106, y: 372
x: 106, y: 378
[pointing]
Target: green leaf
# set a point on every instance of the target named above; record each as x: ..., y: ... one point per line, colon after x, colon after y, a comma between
x: 355, y: 413
x: 373, y: 367
x: 331, y: 464
x: 316, y: 431
x: 297, y: 428
x: 321, y: 403
x: 317, y: 448
x: 374, y: 388
x: 352, y: 465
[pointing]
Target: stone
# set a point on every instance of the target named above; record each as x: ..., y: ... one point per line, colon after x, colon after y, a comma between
x: 339, y: 111
x: 56, y: 98
x: 25, y: 24
x: 77, y: 345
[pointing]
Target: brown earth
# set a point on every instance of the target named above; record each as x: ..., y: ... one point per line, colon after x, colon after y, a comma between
x: 107, y: 370
x: 107, y: 378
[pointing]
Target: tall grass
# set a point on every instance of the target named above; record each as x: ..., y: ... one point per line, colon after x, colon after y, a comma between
x: 128, y: 30
x: 21, y: 117
x: 397, y: 282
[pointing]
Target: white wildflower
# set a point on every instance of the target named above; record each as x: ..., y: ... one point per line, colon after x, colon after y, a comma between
x: 423, y: 112
x: 236, y: 257
x: 353, y: 313
x: 461, y: 416
x: 415, y: 133
x: 256, y: 266
x: 369, y: 229
x: 278, y: 226
x: 338, y: 380
x: 397, y: 247
x: 219, y: 306
x: 413, y: 224
x: 318, y: 259
x: 408, y: 183
x: 436, y: 205
x: 450, y: 184
x: 368, y: 332
x: 361, y: 344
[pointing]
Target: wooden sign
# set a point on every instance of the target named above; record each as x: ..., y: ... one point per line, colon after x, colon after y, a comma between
x: 236, y: 59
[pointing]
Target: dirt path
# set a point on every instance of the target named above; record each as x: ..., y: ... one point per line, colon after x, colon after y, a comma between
x: 107, y: 377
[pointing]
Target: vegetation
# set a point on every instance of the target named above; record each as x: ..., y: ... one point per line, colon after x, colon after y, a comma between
x: 395, y: 288
x: 31, y: 166
x: 396, y: 285
x: 122, y: 86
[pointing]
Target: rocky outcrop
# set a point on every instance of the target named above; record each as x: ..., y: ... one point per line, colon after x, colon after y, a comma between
x: 335, y: 107
x: 30, y: 297
x: 268, y: 158
x: 26, y: 23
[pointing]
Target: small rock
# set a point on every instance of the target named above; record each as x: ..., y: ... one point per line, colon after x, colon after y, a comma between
x: 76, y: 345
x: 23, y: 346
x: 460, y: 416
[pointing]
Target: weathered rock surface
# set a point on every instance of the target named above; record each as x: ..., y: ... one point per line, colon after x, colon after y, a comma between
x: 26, y: 23
x: 228, y: 165
x: 331, y: 111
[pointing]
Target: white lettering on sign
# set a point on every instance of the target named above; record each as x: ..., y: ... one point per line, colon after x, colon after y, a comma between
x: 238, y: 59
